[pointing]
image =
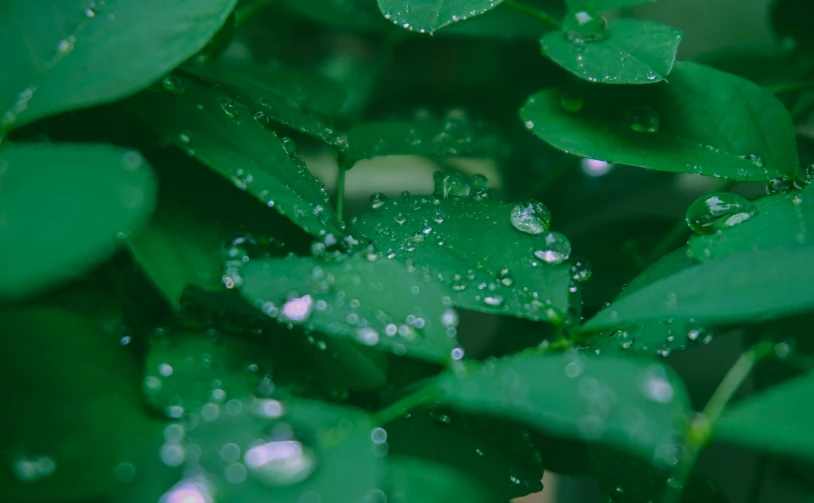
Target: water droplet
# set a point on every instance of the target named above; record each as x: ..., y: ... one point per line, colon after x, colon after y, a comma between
x: 655, y: 386
x: 754, y: 159
x: 400, y: 218
x: 299, y: 309
x: 493, y: 300
x: 810, y: 173
x: 457, y: 353
x: 449, y: 185
x: 505, y: 277
x: 173, y: 84
x: 529, y: 124
x: 378, y: 435
x: 289, y: 146
x: 557, y: 248
x: 531, y: 217
x: 90, y: 13
x: 718, y: 211
x: 581, y: 270
x: 571, y: 101
x: 377, y: 200
x: 66, y: 45
x: 479, y: 183
x: 778, y: 186
x: 262, y: 118
x: 280, y: 463
x: 229, y: 108
x: 641, y: 119
x: 585, y: 26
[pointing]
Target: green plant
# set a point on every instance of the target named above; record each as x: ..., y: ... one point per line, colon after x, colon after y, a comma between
x: 189, y: 316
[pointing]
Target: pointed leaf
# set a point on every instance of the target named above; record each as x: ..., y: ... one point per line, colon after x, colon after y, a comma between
x: 777, y: 420
x: 666, y: 266
x: 376, y: 303
x: 634, y: 52
x: 499, y: 275
x: 85, y: 53
x: 427, y: 16
x: 63, y: 209
x: 633, y: 405
x: 763, y: 285
x: 223, y: 134
x: 707, y: 122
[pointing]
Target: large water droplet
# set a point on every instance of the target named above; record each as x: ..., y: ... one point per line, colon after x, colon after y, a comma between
x: 585, y: 26
x: 722, y: 210
x: 229, y: 108
x: 377, y: 200
x: 778, y: 186
x: 556, y: 249
x: 299, y: 309
x: 280, y: 463
x: 641, y: 119
x: 449, y: 185
x: 571, y: 101
x: 531, y: 217
x: 173, y: 84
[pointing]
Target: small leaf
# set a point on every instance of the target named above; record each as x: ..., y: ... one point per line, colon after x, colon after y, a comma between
x: 427, y: 16
x: 280, y: 95
x: 503, y: 274
x: 704, y: 121
x: 631, y: 51
x: 223, y: 134
x: 633, y: 405
x: 366, y: 299
x: 767, y: 284
x: 455, y: 136
x: 776, y: 420
x: 80, y: 433
x: 47, y: 237
x: 83, y: 54
x: 413, y: 480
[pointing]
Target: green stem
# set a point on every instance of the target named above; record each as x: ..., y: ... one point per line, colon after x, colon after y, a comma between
x: 790, y: 87
x: 401, y: 407
x: 537, y: 14
x: 549, y: 177
x: 700, y: 432
x: 244, y: 13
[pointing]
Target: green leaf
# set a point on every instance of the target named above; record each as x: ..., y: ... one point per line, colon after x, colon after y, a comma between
x: 223, y: 134
x: 455, y: 136
x: 781, y: 220
x: 413, y: 480
x: 776, y: 420
x: 367, y: 299
x: 601, y: 5
x: 633, y: 405
x: 666, y: 266
x: 504, y: 21
x: 767, y: 284
x: 63, y: 209
x: 427, y: 16
x: 633, y: 52
x: 498, y: 275
x: 80, y: 54
x: 498, y: 455
x: 279, y: 95
x: 79, y: 430
x: 707, y: 122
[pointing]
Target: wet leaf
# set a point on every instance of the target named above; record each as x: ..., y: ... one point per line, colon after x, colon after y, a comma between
x: 703, y: 121
x: 666, y: 266
x: 632, y: 52
x: 85, y: 53
x: 373, y: 302
x: 223, y: 134
x: 413, y: 480
x: 430, y: 15
x: 499, y: 275
x: 47, y: 236
x: 633, y: 405
x: 79, y: 430
x: 776, y: 420
x: 766, y: 284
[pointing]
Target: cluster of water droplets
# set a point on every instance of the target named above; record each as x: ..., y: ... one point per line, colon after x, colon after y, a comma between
x: 402, y: 16
x: 662, y: 337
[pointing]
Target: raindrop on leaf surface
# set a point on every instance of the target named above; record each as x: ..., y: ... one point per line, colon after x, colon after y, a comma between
x: 449, y: 185
x: 280, y: 463
x: 377, y: 200
x: 719, y: 211
x: 585, y: 26
x: 555, y: 250
x: 641, y: 119
x: 531, y: 217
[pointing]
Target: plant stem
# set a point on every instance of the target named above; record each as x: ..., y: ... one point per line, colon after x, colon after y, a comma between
x: 701, y: 428
x: 398, y: 409
x: 537, y: 14
x: 244, y: 13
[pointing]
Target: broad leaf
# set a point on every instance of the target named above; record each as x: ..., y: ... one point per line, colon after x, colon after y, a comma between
x: 80, y: 432
x: 653, y: 338
x: 280, y: 95
x: 601, y: 5
x: 413, y: 480
x: 632, y: 52
x: 64, y: 208
x: 454, y: 136
x: 223, y: 134
x: 84, y: 52
x: 776, y: 420
x: 633, y: 405
x: 427, y: 16
x: 364, y: 298
x: 704, y: 121
x: 767, y: 284
x: 499, y: 275
x: 781, y: 220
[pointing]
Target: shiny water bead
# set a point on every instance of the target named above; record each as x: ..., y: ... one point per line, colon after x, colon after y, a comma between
x: 280, y: 463
x: 556, y: 249
x: 479, y: 182
x: 571, y: 101
x: 580, y: 270
x: 722, y: 210
x: 449, y: 185
x: 585, y: 26
x: 531, y: 217
x: 377, y: 200
x: 778, y: 186
x: 641, y: 119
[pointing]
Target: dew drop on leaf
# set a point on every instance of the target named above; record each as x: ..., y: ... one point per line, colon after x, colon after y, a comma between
x: 581, y: 270
x: 377, y: 200
x: 556, y: 249
x: 531, y: 217
x: 280, y: 463
x: 299, y: 309
x: 641, y: 119
x: 585, y: 26
x: 229, y: 109
x: 449, y: 185
x: 173, y: 84
x: 722, y: 210
x: 261, y: 118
